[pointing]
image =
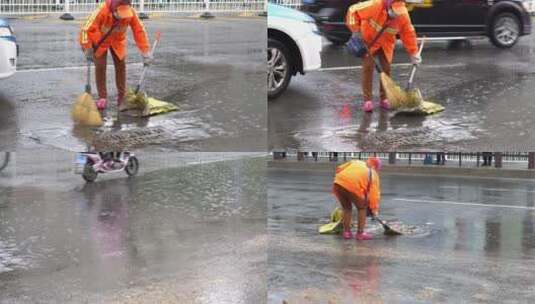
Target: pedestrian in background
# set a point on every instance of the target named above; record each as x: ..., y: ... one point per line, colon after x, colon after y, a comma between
x: 357, y: 183
x: 487, y: 159
x: 114, y: 16
x: 366, y: 20
x: 441, y: 158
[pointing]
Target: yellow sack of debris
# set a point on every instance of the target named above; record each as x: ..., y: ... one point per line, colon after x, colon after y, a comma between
x: 147, y: 106
x: 335, y: 226
x: 428, y: 108
x: 414, y: 103
x: 84, y: 112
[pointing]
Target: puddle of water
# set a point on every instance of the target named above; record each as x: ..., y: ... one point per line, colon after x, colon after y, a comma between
x: 10, y: 257
x: 408, y: 229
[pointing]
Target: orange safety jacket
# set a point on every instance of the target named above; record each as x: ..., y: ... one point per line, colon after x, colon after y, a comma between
x: 370, y: 16
x: 354, y: 177
x: 101, y: 21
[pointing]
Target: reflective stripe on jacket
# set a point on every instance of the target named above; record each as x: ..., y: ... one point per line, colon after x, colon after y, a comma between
x: 354, y: 176
x: 101, y: 21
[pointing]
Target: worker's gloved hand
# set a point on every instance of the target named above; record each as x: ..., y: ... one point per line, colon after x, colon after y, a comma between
x: 416, y: 59
x: 147, y: 59
x: 89, y: 54
x: 356, y: 46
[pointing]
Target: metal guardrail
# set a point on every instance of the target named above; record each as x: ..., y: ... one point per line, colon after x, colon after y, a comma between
x: 85, y: 7
x: 521, y: 160
x: 289, y: 3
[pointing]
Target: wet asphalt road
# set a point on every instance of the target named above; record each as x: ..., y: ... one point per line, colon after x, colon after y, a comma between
x: 457, y: 253
x: 188, y: 233
x: 487, y: 92
x: 214, y: 71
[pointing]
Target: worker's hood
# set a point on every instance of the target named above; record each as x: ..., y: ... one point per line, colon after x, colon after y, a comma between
x: 399, y: 8
x: 120, y: 9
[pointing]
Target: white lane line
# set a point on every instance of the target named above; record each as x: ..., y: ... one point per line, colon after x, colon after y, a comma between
x: 66, y: 68
x: 410, y: 200
x: 492, y: 189
x: 358, y: 67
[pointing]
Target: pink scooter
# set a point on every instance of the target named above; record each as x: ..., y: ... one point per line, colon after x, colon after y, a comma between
x: 90, y: 164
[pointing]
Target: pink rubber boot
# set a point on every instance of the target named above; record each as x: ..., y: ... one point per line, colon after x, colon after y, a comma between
x: 101, y: 104
x: 347, y: 235
x: 367, y: 106
x: 363, y: 236
x: 385, y: 104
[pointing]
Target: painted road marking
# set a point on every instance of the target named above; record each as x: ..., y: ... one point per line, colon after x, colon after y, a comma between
x: 68, y: 68
x: 410, y: 200
x: 431, y: 66
x: 493, y: 189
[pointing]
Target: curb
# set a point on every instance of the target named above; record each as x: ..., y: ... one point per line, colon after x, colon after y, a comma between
x: 419, y: 170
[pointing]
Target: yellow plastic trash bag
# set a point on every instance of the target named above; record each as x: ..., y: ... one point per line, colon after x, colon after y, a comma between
x: 415, y: 104
x: 428, y: 108
x: 425, y: 108
x: 84, y: 112
x: 335, y: 226
x: 148, y: 106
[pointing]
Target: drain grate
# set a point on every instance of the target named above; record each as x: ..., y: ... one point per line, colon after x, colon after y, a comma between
x: 128, y: 139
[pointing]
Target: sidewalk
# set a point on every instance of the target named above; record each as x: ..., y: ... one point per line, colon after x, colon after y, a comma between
x: 509, y: 169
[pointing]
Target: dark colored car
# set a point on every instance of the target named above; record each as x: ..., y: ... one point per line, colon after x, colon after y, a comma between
x: 503, y: 21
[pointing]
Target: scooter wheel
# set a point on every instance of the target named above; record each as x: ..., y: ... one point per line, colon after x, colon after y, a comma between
x: 132, y: 166
x: 89, y: 174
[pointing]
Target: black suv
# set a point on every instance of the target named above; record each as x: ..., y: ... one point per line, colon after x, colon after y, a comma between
x: 503, y: 21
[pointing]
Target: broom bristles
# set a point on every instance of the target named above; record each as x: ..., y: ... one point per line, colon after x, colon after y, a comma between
x: 84, y: 112
x: 397, y: 96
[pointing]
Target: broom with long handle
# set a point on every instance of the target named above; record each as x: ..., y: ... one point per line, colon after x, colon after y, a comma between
x: 394, y: 93
x: 414, y: 66
x: 142, y: 77
x: 84, y: 111
x: 414, y: 96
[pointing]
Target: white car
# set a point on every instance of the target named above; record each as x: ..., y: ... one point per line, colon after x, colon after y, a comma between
x: 8, y: 50
x: 294, y: 45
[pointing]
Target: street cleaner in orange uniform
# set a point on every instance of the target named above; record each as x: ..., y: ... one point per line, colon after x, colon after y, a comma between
x: 365, y: 20
x: 357, y: 183
x: 115, y: 16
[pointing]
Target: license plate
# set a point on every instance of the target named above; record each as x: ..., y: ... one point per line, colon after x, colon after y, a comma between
x: 79, y: 164
x: 81, y: 159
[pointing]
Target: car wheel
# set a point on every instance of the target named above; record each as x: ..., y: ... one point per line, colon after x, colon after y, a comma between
x: 278, y: 68
x: 89, y: 174
x: 132, y: 166
x: 505, y: 30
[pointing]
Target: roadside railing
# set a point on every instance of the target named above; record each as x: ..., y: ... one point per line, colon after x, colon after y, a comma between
x: 289, y: 3
x: 517, y: 160
x: 84, y: 7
